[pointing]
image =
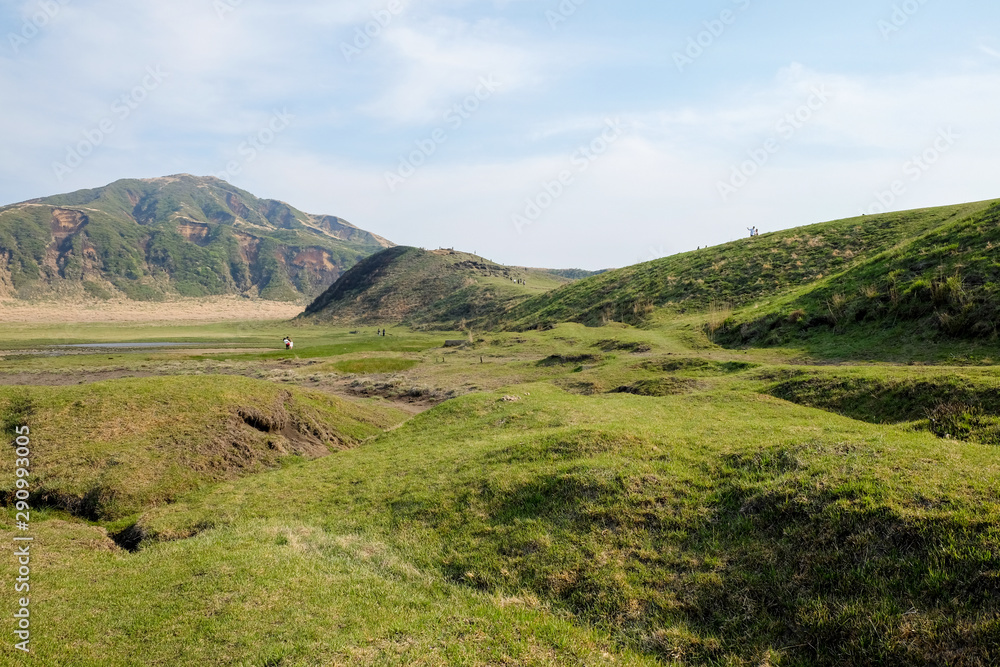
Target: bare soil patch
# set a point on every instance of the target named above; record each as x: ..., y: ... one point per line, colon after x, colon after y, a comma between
x: 217, y: 309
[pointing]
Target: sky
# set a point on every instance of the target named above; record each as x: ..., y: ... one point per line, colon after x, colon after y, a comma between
x: 550, y: 133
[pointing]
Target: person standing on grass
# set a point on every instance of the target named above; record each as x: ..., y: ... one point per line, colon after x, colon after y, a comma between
x: 288, y: 343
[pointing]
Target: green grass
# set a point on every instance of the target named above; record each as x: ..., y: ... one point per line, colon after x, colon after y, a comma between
x: 960, y: 403
x: 591, y: 495
x: 437, y: 289
x: 374, y: 365
x: 348, y: 345
x: 940, y: 286
x: 243, y: 342
x: 733, y: 274
x: 279, y: 592
x: 110, y: 449
x: 717, y: 528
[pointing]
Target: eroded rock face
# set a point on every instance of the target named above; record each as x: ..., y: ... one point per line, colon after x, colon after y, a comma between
x: 249, y: 247
x: 66, y: 222
x: 237, y: 206
x: 70, y: 254
x: 313, y: 269
x: 6, y: 282
x: 317, y: 259
x: 195, y: 232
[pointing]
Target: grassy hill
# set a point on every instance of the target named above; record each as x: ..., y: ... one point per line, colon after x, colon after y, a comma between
x: 574, y: 274
x: 944, y: 284
x: 111, y: 449
x: 734, y: 274
x: 421, y: 287
x: 178, y: 235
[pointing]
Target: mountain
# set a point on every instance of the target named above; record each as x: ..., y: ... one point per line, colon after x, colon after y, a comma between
x: 149, y: 239
x: 743, y: 272
x: 428, y: 287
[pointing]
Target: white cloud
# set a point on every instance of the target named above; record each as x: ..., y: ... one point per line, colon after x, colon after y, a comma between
x: 990, y: 52
x: 656, y: 187
x: 437, y: 63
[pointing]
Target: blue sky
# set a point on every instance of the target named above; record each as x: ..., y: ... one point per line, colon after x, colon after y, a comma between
x: 535, y: 132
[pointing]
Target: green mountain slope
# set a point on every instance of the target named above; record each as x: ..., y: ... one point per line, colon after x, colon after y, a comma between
x: 945, y: 283
x: 574, y: 274
x: 733, y: 274
x: 439, y: 287
x: 178, y: 235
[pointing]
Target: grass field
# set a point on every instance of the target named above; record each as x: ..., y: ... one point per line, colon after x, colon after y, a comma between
x: 750, y: 272
x: 585, y: 495
x: 940, y: 285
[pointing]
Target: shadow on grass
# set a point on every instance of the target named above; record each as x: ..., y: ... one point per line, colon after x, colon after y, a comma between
x: 779, y: 568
